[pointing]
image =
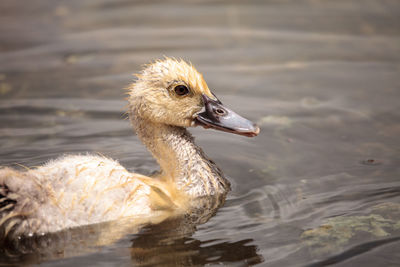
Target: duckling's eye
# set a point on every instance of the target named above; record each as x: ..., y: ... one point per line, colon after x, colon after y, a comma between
x: 181, y: 90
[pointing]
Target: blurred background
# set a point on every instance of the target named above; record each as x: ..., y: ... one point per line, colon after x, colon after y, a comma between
x: 319, y: 185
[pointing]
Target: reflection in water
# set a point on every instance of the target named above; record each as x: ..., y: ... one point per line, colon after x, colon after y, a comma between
x: 192, y: 252
x: 169, y: 243
x: 165, y: 243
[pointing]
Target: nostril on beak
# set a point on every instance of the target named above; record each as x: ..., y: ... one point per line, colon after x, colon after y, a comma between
x: 219, y: 111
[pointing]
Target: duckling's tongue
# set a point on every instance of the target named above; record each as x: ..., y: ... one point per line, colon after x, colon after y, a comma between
x: 218, y: 117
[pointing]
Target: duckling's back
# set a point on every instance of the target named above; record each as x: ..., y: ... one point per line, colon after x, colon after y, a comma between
x: 68, y: 192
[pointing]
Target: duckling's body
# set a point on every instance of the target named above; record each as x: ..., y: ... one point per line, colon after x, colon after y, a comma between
x: 71, y: 191
x: 78, y: 190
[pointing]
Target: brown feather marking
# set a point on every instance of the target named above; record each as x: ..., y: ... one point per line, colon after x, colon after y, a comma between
x: 23, y: 166
x: 160, y: 200
x: 82, y: 198
x: 122, y: 185
x: 9, y: 226
x: 73, y: 201
x: 206, y: 186
x: 59, y: 198
x: 109, y: 208
x: 132, y: 193
x: 8, y: 217
x: 7, y: 209
x: 190, y: 178
x: 210, y: 171
x: 111, y: 172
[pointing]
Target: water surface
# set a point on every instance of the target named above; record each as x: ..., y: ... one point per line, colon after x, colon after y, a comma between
x: 319, y: 185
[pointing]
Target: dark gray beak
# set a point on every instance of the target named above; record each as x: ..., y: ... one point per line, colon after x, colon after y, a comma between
x: 218, y: 117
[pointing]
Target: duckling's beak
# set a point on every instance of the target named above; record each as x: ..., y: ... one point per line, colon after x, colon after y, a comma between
x: 216, y: 116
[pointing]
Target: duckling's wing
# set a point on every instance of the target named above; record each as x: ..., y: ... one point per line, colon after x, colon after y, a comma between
x: 19, y: 197
x: 7, y: 200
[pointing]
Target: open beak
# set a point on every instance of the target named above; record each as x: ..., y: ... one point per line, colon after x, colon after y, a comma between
x: 218, y: 117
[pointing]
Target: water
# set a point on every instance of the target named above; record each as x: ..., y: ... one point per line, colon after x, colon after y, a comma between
x: 319, y: 185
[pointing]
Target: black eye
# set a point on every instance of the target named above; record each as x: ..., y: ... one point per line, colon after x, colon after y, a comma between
x: 181, y: 90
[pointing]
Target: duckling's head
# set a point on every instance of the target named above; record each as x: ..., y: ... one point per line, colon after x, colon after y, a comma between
x: 173, y: 92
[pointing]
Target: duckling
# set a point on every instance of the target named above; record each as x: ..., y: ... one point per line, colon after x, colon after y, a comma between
x: 167, y: 97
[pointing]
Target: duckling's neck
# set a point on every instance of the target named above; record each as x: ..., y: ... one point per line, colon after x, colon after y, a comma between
x: 182, y: 162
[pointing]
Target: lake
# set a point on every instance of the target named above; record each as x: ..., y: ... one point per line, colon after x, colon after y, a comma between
x: 319, y: 186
